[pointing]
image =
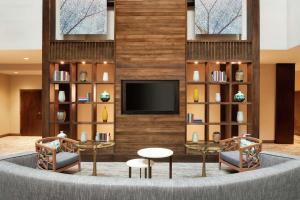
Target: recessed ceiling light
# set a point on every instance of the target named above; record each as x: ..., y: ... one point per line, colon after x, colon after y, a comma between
x: 83, y: 62
x: 196, y: 62
x: 239, y: 62
x: 16, y: 72
x: 26, y: 58
x: 217, y: 62
x: 62, y: 62
x: 105, y: 62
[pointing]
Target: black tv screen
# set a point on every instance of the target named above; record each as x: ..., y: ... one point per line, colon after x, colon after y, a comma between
x: 150, y: 97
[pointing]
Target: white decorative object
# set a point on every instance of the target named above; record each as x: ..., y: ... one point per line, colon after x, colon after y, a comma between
x: 105, y: 76
x: 97, y: 138
x: 218, y: 97
x: 61, y: 116
x: 196, y: 76
x: 240, y: 117
x: 195, y: 137
x: 62, y: 134
x: 61, y: 96
x: 83, y: 137
x: 83, y: 76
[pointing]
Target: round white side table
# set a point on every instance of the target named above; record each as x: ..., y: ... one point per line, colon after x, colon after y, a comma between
x: 140, y: 163
x: 156, y: 153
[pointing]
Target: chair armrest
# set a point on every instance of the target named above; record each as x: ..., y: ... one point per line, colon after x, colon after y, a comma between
x: 250, y: 155
x: 44, y: 158
x: 69, y: 145
x: 230, y: 144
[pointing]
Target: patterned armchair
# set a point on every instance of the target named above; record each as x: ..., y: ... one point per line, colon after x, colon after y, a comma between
x: 240, y: 153
x: 50, y: 158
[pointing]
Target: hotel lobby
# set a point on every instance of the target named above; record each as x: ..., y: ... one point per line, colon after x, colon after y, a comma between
x: 137, y: 99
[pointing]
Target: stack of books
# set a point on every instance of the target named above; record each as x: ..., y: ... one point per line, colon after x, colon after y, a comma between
x: 191, y: 119
x: 219, y: 76
x: 102, y: 137
x: 83, y: 99
x: 197, y: 121
x: 61, y: 76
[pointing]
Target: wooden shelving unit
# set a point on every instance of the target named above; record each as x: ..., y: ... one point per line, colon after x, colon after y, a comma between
x: 82, y: 116
x: 218, y: 116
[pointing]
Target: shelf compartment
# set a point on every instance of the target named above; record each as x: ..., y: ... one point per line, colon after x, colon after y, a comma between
x: 200, y: 130
x: 109, y: 68
x: 105, y: 87
x: 110, y: 110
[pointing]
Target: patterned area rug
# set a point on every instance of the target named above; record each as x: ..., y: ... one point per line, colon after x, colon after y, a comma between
x: 159, y: 170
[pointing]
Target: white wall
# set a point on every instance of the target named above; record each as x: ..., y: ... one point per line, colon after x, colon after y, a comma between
x: 21, y: 24
x: 4, y: 104
x: 273, y: 29
x: 293, y: 23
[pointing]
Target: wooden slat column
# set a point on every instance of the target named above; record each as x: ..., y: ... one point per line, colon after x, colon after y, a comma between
x: 150, y: 45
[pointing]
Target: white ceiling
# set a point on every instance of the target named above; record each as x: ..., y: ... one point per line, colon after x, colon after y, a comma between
x: 21, y: 69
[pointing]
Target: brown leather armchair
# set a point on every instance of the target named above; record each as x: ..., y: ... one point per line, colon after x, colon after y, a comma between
x: 49, y: 159
x: 240, y: 157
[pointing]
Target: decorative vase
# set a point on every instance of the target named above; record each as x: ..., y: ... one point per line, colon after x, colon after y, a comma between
x: 239, y: 97
x: 196, y: 95
x: 216, y: 137
x: 218, y: 97
x: 61, y: 96
x: 83, y: 76
x: 105, y: 76
x: 195, y: 137
x: 104, y: 114
x: 83, y: 137
x: 97, y: 138
x: 240, y: 117
x: 105, y: 96
x: 62, y: 134
x: 61, y: 116
x: 196, y: 76
x: 239, y: 76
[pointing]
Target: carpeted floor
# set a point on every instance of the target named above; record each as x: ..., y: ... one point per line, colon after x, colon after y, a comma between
x: 160, y: 170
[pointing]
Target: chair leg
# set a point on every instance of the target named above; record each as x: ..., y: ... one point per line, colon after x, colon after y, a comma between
x: 145, y: 172
x: 140, y: 172
x: 220, y: 165
x: 79, y: 166
x: 129, y: 172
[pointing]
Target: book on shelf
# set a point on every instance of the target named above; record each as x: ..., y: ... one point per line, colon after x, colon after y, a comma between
x: 219, y: 76
x: 102, y: 137
x: 83, y: 99
x: 61, y: 76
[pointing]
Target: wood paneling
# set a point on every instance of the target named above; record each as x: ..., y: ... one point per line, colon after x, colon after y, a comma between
x: 76, y: 51
x: 150, y: 45
x: 219, y: 50
x: 284, y: 108
x: 297, y: 113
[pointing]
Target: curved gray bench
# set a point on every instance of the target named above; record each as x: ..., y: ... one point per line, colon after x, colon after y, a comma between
x: 278, y: 179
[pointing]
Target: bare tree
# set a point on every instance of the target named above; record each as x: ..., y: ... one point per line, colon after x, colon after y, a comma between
x: 82, y: 17
x: 217, y: 16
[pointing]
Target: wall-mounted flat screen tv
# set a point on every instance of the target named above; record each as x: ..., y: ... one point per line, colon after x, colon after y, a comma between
x: 150, y: 97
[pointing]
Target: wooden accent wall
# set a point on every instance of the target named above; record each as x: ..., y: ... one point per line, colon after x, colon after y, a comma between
x: 150, y: 45
x: 284, y: 108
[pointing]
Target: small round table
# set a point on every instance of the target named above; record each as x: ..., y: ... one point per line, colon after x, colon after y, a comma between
x: 140, y: 163
x: 205, y: 147
x: 155, y: 153
x: 94, y: 146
